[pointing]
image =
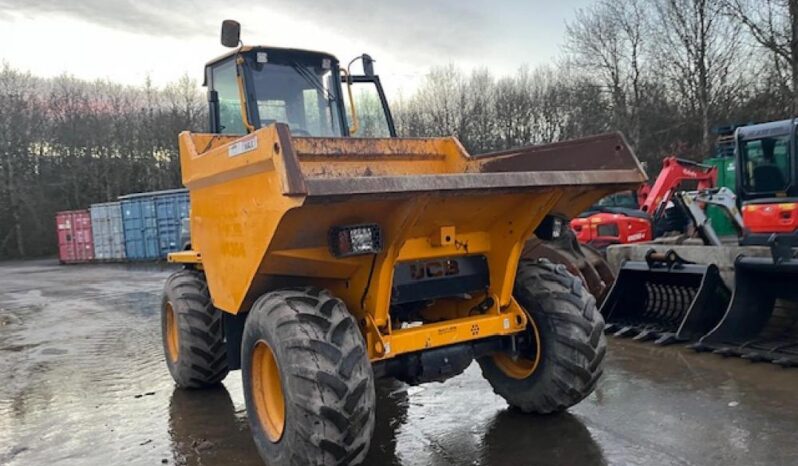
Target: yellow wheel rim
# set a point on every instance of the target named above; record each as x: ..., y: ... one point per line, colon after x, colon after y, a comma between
x: 172, y: 334
x: 267, y: 392
x: 520, y: 367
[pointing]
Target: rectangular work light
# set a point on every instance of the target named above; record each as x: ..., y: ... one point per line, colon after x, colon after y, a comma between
x: 353, y: 240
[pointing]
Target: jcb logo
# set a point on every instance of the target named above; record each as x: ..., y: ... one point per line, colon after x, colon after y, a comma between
x: 434, y: 269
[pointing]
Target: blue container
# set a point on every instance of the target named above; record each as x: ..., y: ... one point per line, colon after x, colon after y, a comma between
x: 171, y: 208
x: 140, y: 225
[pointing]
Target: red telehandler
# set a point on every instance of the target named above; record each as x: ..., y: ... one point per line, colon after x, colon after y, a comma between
x: 602, y: 226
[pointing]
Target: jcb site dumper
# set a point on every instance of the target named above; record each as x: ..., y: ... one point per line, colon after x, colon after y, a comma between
x: 735, y: 299
x: 321, y: 261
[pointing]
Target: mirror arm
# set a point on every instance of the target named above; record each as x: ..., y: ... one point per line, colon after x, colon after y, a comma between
x: 355, y: 123
x: 242, y: 94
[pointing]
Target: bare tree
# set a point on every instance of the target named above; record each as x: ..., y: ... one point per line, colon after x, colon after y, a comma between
x: 606, y: 42
x: 514, y: 109
x: 698, y: 51
x: 66, y: 143
x: 479, y: 114
x: 20, y: 123
x: 773, y: 24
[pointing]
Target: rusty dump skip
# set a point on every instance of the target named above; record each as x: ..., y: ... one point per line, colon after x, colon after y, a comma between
x: 602, y: 152
x: 333, y: 167
x: 600, y: 159
x: 263, y: 206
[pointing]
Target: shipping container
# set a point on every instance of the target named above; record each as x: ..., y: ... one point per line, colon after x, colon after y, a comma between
x: 140, y: 226
x: 75, y: 243
x: 152, y: 223
x: 171, y: 208
x: 108, y: 232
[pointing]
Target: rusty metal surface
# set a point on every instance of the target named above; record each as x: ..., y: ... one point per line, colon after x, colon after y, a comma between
x: 608, y: 151
x: 358, y: 148
x: 467, y: 181
x: 377, y: 165
x: 291, y: 175
x: 341, y: 166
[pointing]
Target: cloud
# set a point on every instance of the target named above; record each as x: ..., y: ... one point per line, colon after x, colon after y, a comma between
x: 442, y: 27
x: 405, y: 36
x: 428, y: 29
x: 175, y: 18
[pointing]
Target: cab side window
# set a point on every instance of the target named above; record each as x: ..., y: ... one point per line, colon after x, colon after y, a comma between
x: 226, y: 87
x: 371, y: 116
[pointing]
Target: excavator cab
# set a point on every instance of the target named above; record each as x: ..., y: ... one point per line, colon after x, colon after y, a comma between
x: 766, y: 181
x: 761, y: 322
x: 253, y: 87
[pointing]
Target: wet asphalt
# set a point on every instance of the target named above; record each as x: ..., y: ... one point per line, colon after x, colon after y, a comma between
x: 83, y: 382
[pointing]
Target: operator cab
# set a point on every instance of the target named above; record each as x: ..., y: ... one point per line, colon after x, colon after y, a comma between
x: 766, y: 160
x: 253, y: 87
x: 766, y: 182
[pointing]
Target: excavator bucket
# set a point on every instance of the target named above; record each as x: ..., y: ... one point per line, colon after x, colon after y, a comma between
x: 761, y: 323
x: 665, y: 299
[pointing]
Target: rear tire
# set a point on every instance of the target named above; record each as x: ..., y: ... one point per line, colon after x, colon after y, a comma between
x: 571, y: 340
x: 308, y: 383
x: 191, y: 327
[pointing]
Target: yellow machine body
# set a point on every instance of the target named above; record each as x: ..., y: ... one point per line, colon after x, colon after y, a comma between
x: 263, y: 205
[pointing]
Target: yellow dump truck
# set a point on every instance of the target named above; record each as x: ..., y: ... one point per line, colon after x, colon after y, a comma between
x: 320, y: 261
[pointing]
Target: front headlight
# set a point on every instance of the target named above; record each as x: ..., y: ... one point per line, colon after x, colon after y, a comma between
x: 353, y: 240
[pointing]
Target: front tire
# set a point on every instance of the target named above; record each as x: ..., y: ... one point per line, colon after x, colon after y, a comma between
x: 564, y: 358
x: 308, y: 383
x: 191, y: 327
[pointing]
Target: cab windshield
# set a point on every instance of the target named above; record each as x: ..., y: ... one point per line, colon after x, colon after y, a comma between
x: 304, y: 96
x: 766, y: 164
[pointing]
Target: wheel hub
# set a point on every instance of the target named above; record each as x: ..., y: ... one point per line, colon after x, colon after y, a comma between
x: 172, y: 334
x: 519, y: 366
x: 267, y: 392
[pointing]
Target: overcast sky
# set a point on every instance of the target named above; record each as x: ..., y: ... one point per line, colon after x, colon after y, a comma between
x: 126, y: 40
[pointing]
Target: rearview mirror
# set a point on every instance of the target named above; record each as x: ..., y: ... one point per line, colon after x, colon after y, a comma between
x: 231, y: 33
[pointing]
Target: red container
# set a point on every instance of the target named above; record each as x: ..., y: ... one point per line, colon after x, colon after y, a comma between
x: 75, y: 243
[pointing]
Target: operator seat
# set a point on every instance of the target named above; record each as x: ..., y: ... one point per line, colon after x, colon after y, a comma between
x: 768, y: 178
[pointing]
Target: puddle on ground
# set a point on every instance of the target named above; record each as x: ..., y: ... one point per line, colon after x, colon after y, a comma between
x: 86, y: 384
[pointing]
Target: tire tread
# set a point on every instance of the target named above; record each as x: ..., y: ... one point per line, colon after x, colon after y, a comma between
x: 331, y: 379
x: 573, y: 349
x: 202, y: 361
